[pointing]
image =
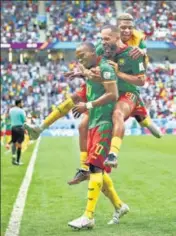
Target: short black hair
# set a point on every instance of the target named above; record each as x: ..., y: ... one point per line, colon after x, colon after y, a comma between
x: 89, y: 45
x: 113, y: 28
x: 18, y: 101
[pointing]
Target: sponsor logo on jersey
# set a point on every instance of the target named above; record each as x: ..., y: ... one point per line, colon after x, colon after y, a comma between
x: 121, y: 61
x: 107, y: 75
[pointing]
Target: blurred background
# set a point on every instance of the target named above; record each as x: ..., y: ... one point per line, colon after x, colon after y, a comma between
x: 38, y: 41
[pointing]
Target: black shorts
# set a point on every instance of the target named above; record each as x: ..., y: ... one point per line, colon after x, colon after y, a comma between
x: 17, y: 134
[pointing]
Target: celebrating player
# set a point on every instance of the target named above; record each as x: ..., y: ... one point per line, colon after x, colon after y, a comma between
x: 101, y: 100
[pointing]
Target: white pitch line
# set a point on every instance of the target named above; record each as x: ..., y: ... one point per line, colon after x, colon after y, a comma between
x: 13, y: 228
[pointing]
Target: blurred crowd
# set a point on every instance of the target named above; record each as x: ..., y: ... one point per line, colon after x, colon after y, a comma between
x: 157, y: 19
x: 19, y: 22
x: 159, y: 91
x: 79, y: 20
x: 40, y: 87
x: 44, y: 87
x: 82, y: 20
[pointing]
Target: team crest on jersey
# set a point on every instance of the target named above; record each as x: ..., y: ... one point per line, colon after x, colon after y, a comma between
x: 121, y: 61
x: 107, y: 75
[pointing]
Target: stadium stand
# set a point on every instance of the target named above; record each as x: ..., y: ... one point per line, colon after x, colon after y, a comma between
x: 156, y: 18
x: 82, y: 20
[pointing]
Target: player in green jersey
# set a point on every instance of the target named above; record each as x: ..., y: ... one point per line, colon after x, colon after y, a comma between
x: 99, y: 136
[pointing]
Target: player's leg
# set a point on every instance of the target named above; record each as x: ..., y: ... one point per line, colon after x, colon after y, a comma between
x: 123, y: 109
x: 144, y: 119
x: 95, y: 161
x: 19, y: 144
x: 8, y: 138
x: 26, y: 142
x: 82, y: 173
x: 110, y: 192
x: 14, y: 140
x: 60, y: 111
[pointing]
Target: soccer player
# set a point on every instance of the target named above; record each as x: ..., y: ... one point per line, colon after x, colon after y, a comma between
x: 128, y: 102
x: 101, y: 99
x: 17, y: 118
x: 136, y: 39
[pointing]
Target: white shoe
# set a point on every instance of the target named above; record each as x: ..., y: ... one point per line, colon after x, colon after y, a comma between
x: 82, y: 222
x: 118, y: 214
x: 155, y: 130
x: 33, y: 131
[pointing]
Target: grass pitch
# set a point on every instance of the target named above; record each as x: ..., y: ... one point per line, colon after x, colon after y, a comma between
x: 145, y: 180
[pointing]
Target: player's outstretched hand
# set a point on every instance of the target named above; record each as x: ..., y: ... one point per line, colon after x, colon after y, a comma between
x: 75, y: 113
x: 72, y: 75
x: 80, y: 107
x: 136, y: 52
x: 114, y: 65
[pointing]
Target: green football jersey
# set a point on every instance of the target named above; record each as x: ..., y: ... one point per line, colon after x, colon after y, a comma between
x: 101, y: 114
x: 130, y: 66
x: 127, y: 65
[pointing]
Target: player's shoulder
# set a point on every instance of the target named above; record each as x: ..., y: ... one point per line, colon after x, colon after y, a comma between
x: 104, y: 65
x: 138, y: 34
x: 124, y: 51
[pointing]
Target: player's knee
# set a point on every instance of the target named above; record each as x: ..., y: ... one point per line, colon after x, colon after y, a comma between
x: 104, y: 191
x: 139, y: 118
x: 83, y: 127
x: 75, y: 98
x: 94, y: 169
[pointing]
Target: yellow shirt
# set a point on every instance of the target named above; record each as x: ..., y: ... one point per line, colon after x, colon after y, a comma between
x: 136, y: 38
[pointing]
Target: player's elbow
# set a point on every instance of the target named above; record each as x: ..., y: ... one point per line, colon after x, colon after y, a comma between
x: 141, y: 81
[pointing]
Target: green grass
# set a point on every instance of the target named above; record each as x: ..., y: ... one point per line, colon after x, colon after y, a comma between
x: 11, y: 178
x: 145, y: 180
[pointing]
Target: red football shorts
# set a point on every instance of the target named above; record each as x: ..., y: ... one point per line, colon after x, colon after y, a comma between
x: 98, y: 145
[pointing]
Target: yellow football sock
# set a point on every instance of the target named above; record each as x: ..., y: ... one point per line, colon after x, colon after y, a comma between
x: 8, y: 138
x: 25, y: 143
x: 59, y: 112
x: 110, y: 192
x: 115, y: 144
x: 83, y: 158
x: 146, y: 122
x: 94, y: 189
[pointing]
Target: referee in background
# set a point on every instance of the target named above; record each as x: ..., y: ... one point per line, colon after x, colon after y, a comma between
x: 18, y: 118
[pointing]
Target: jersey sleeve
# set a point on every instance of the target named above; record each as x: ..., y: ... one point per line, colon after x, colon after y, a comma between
x: 138, y: 66
x: 108, y: 73
x: 142, y: 44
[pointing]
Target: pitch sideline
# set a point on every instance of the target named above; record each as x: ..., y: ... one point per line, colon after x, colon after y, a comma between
x: 13, y: 228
